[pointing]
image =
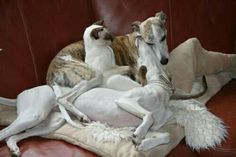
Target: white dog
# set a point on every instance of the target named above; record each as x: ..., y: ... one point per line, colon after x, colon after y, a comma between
x: 149, y: 103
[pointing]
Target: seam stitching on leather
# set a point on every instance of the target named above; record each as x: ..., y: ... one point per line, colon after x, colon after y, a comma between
x: 29, y: 43
x: 171, y: 27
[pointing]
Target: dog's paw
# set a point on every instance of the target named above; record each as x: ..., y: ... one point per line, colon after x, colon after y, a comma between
x: 136, y: 140
x: 149, y: 143
x: 146, y: 145
x: 84, y: 119
x: 140, y: 133
x: 11, y: 143
x: 15, y: 155
x: 141, y: 147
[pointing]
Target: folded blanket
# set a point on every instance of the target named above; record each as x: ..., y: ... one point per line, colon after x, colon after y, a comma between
x: 190, y: 60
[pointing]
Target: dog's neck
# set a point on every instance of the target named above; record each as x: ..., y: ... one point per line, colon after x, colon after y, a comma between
x: 155, y: 75
x: 148, y: 58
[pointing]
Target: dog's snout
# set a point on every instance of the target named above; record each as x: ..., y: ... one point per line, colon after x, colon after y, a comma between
x: 108, y: 36
x: 164, y: 61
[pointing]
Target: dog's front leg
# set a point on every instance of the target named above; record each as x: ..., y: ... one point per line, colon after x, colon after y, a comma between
x: 52, y: 123
x: 156, y: 140
x: 82, y: 87
x: 23, y: 121
x: 131, y: 106
x: 67, y: 99
x: 70, y: 107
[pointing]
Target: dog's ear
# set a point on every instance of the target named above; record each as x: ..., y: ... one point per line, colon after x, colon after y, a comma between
x: 162, y: 16
x: 100, y: 23
x: 142, y: 75
x: 94, y: 33
x: 135, y: 26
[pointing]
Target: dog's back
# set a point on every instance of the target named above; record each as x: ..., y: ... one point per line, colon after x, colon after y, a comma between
x: 65, y: 73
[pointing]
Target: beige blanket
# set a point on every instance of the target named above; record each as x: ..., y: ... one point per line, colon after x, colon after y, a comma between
x: 188, y: 61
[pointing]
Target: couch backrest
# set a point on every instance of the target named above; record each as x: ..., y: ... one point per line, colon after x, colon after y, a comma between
x: 33, y: 31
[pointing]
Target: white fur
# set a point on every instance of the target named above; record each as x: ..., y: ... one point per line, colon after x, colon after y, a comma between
x: 33, y: 108
x: 98, y: 53
x: 102, y: 132
x: 148, y: 103
x: 184, y: 116
x: 67, y: 58
x: 203, y: 130
x: 52, y: 123
x: 100, y: 57
x: 34, y: 115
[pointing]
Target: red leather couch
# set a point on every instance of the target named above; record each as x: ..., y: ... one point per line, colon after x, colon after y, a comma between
x: 33, y: 31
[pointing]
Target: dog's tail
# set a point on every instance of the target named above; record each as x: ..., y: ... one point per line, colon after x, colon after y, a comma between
x: 178, y: 96
x: 8, y: 102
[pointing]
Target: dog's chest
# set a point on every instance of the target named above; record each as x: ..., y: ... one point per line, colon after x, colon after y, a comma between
x: 101, y: 58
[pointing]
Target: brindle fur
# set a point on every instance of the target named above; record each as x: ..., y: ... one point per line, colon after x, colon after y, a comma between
x: 68, y: 73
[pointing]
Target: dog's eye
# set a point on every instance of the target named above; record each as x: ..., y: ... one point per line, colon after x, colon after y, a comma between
x: 163, y: 38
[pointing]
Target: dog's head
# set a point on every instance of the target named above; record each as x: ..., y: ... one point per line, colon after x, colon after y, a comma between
x: 154, y: 33
x: 97, y: 34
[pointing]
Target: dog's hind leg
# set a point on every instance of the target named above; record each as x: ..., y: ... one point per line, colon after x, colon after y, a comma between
x: 120, y: 82
x: 131, y: 106
x: 70, y: 107
x: 52, y: 123
x: 23, y: 121
x: 33, y: 106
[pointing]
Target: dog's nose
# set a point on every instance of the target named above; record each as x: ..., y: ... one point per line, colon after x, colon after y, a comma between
x: 164, y: 61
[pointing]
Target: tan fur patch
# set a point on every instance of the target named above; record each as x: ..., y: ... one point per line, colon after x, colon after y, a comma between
x: 70, y: 73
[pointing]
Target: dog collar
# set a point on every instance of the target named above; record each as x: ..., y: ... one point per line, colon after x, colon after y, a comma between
x: 165, y: 83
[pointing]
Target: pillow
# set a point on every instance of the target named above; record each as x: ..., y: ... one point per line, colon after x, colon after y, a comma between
x: 84, y: 138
